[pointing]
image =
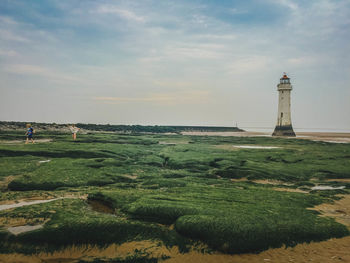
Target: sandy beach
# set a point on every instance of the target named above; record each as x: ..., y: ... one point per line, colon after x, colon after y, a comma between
x: 333, y: 137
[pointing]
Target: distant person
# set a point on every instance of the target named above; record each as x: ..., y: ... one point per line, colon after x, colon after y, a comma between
x: 74, y: 131
x: 29, y: 133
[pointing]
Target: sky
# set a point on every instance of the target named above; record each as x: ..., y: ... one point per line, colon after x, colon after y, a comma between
x: 199, y: 62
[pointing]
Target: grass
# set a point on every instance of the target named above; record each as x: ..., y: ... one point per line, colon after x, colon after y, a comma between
x: 72, y: 221
x: 231, y: 218
x: 152, y: 186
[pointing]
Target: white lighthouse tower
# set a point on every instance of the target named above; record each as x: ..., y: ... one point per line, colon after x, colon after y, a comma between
x: 284, y: 121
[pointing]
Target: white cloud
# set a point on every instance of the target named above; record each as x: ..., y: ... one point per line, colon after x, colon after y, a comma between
x: 212, y: 37
x: 10, y: 36
x: 290, y: 4
x: 248, y: 65
x: 8, y: 53
x: 304, y: 61
x: 165, y: 99
x: 7, y: 20
x: 34, y: 70
x: 185, y: 51
x: 124, y: 13
x: 235, y: 11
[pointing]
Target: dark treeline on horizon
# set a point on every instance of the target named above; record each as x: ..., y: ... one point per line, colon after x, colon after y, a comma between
x: 119, y: 128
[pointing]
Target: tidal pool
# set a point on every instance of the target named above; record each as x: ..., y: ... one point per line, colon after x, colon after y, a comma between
x: 22, y: 229
x: 327, y: 187
x: 255, y: 147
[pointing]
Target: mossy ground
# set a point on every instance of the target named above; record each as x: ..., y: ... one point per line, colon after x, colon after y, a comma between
x: 184, y: 182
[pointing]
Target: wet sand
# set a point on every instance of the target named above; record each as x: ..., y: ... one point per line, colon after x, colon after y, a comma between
x: 333, y: 137
x: 20, y: 204
x: 333, y: 250
x: 235, y: 134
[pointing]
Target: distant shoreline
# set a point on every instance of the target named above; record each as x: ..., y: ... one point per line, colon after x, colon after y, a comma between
x: 331, y: 137
x: 12, y: 125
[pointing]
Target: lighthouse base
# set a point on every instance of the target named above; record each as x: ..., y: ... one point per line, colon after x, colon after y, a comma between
x: 284, y: 131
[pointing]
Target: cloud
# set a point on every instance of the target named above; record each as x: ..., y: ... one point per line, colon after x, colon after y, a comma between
x: 236, y: 11
x: 305, y: 61
x: 34, y: 70
x: 8, y: 53
x: 165, y: 99
x: 7, y: 20
x: 185, y: 51
x: 248, y: 65
x: 8, y: 35
x: 292, y: 5
x: 124, y: 13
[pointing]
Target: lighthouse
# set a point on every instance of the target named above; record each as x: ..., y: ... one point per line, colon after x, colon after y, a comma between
x: 284, y: 121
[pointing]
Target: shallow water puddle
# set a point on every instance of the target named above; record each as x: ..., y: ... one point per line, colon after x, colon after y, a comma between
x: 327, y: 187
x: 172, y: 143
x: 45, y: 161
x: 22, y: 229
x: 255, y: 147
x: 20, y: 204
x: 100, y: 207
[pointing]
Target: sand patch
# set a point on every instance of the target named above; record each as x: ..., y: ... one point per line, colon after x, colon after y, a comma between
x: 339, y: 141
x: 133, y: 176
x: 333, y: 250
x: 272, y: 182
x: 76, y: 253
x: 20, y: 203
x: 341, y: 180
x: 18, y: 221
x: 5, y: 182
x: 331, y: 137
x: 243, y: 179
x: 339, y: 210
x: 27, y: 198
x: 23, y: 141
x: 291, y: 190
x: 227, y: 147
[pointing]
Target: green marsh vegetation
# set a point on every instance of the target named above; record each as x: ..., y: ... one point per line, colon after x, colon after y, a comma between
x: 173, y: 189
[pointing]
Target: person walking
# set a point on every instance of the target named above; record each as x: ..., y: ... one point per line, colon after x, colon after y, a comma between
x: 74, y: 131
x: 29, y: 133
